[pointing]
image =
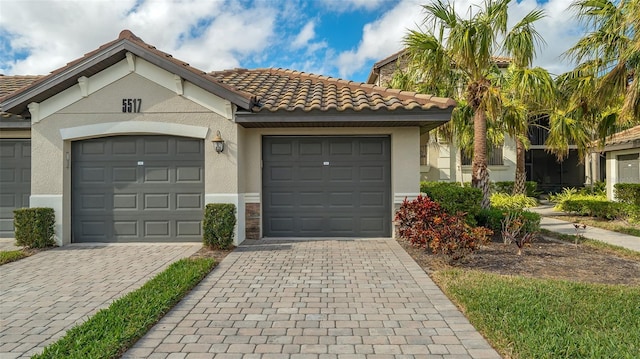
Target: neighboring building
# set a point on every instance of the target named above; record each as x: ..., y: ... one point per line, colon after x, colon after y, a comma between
x: 618, y: 161
x: 441, y: 160
x: 120, y: 145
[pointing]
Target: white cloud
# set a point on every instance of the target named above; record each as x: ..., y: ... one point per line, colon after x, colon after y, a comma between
x: 306, y: 34
x: 349, y: 5
x: 384, y: 36
x: 52, y: 33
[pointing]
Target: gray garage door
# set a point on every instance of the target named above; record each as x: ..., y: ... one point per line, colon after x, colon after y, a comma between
x: 15, y: 181
x: 137, y: 189
x: 326, y: 186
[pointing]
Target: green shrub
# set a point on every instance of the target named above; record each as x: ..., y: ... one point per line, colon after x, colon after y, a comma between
x: 34, y: 227
x: 425, y: 224
x: 531, y: 188
x: 632, y: 213
x: 508, y: 201
x: 492, y: 218
x: 453, y: 198
x: 627, y: 193
x: 572, y: 194
x: 598, y: 189
x: 218, y: 225
x: 595, y: 208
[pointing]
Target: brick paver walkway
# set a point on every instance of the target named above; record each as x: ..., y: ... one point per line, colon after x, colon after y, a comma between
x: 43, y: 296
x: 329, y: 299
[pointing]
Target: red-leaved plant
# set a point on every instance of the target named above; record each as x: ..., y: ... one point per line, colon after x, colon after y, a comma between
x: 425, y: 224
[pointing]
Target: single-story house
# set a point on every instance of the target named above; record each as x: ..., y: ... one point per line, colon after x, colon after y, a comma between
x: 620, y: 157
x: 129, y: 144
x: 442, y: 160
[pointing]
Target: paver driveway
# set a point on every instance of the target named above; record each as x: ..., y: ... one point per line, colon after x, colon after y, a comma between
x: 315, y: 299
x: 43, y: 296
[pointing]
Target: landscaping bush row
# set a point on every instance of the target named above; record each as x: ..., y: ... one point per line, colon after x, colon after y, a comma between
x: 454, y: 199
x: 602, y: 209
x: 628, y: 193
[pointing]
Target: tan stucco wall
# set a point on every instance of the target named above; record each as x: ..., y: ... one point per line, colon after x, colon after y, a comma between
x: 405, y: 154
x: 11, y: 133
x: 158, y: 105
x: 51, y: 174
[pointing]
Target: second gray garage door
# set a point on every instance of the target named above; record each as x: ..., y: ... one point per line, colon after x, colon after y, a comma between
x: 326, y: 186
x: 15, y: 181
x: 137, y: 189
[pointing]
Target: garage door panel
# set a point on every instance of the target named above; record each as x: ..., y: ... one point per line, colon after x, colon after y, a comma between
x: 124, y: 174
x: 124, y: 146
x: 156, y: 146
x: 281, y: 149
x: 310, y: 148
x: 125, y: 201
x: 341, y: 148
x: 311, y: 173
x: 189, y: 228
x: 372, y: 199
x: 15, y: 181
x: 341, y: 173
x: 156, y: 174
x: 188, y: 174
x: 156, y: 201
x: 331, y: 185
x: 153, y: 195
x: 126, y: 229
x: 188, y: 201
x: 157, y: 228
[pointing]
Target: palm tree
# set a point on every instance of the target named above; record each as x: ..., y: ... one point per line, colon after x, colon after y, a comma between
x: 602, y: 94
x: 527, y: 94
x: 610, y: 54
x: 452, y: 46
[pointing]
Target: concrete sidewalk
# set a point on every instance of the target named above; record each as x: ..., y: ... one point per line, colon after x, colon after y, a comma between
x: 315, y: 299
x: 565, y: 227
x: 43, y: 296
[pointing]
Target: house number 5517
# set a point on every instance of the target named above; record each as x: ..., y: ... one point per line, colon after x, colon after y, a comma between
x: 131, y: 104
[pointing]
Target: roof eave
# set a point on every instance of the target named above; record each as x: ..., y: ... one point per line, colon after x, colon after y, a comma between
x: 18, y: 101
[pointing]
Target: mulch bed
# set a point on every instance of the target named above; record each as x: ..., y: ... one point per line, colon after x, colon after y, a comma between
x: 544, y: 258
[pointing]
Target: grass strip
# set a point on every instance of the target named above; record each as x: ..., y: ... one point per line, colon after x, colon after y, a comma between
x: 535, y: 318
x: 11, y: 256
x: 630, y: 229
x: 113, y: 330
x: 611, y: 248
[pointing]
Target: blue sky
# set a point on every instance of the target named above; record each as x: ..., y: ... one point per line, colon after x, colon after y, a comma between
x: 339, y: 38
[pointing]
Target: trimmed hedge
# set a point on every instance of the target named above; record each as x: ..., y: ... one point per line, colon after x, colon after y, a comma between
x: 453, y: 198
x: 628, y: 193
x: 512, y: 202
x: 218, y: 225
x: 492, y: 218
x: 34, y: 227
x: 595, y: 208
x: 507, y: 187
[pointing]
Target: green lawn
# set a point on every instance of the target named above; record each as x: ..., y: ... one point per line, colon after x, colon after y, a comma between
x: 533, y: 318
x: 111, y: 331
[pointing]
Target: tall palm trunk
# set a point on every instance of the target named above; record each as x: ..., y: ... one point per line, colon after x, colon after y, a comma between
x: 519, y: 187
x: 479, y: 170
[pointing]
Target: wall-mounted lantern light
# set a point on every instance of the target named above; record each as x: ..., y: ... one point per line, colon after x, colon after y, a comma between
x: 218, y: 142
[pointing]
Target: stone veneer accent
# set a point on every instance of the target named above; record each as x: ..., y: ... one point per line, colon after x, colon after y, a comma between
x: 252, y: 220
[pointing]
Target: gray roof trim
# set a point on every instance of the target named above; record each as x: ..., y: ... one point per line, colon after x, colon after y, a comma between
x: 431, y: 119
x: 104, y: 58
